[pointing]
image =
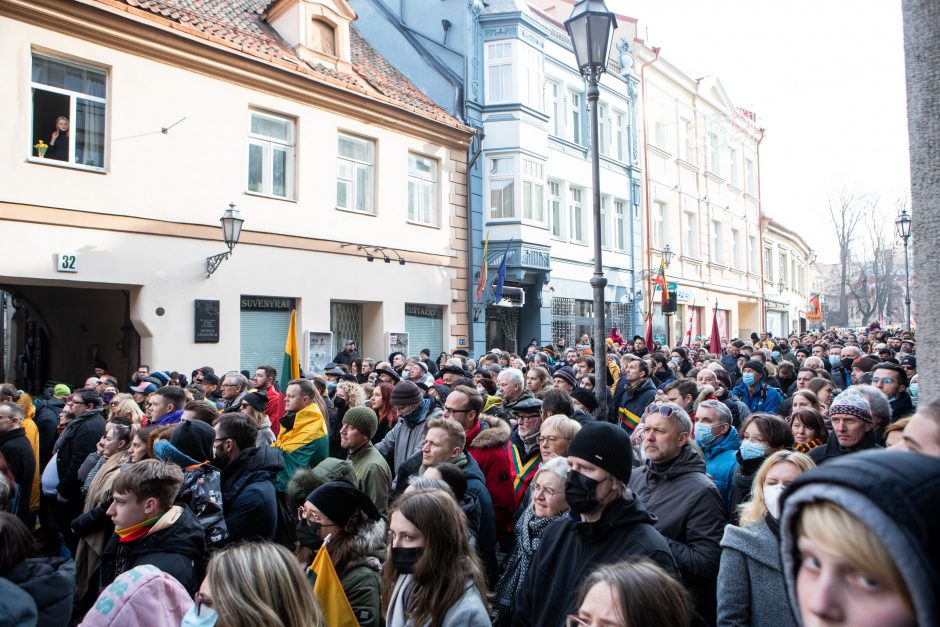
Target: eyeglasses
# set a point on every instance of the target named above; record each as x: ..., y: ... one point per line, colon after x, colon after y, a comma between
x: 202, y: 600
x: 527, y: 417
x: 450, y: 410
x: 551, y: 439
x: 574, y: 621
x: 550, y: 493
x: 887, y: 380
x: 230, y: 385
x: 664, y: 410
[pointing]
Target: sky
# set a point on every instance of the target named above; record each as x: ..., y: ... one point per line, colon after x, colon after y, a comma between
x: 825, y: 77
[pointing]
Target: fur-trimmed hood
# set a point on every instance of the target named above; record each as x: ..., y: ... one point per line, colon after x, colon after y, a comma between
x: 370, y: 539
x: 491, y: 432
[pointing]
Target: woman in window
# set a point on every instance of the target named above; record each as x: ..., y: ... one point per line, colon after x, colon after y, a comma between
x: 750, y: 579
x: 59, y: 142
x: 432, y: 577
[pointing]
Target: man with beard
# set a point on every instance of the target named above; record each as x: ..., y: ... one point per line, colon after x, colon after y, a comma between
x: 247, y: 478
x: 634, y: 392
x: 524, y: 454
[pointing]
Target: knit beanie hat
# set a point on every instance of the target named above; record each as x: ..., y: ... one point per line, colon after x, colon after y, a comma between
x: 257, y: 400
x: 585, y: 397
x: 339, y: 500
x: 406, y: 393
x: 566, y: 374
x: 852, y: 403
x: 363, y: 420
x: 606, y: 446
x: 61, y: 390
x: 194, y: 439
x: 756, y: 366
x: 865, y: 363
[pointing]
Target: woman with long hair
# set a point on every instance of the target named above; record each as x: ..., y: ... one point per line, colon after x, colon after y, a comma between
x: 254, y: 405
x: 809, y: 429
x: 536, y: 380
x: 432, y: 577
x: 822, y: 388
x: 124, y: 406
x: 255, y: 584
x: 347, y: 516
x: 761, y: 436
x: 382, y: 406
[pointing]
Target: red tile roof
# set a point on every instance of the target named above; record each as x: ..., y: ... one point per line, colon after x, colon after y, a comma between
x: 239, y: 23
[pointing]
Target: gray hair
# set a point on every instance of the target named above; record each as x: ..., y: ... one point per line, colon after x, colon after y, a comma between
x: 556, y: 465
x: 679, y: 417
x: 880, y: 407
x: 514, y: 375
x: 724, y: 414
x: 236, y: 377
x: 429, y: 483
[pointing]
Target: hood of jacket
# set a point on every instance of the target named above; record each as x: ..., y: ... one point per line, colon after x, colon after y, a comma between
x: 755, y: 541
x: 51, y: 583
x: 144, y: 595
x: 688, y: 461
x: 489, y: 432
x: 252, y: 464
x: 306, y: 480
x: 619, y: 515
x: 184, y: 535
x: 370, y: 540
x: 730, y: 442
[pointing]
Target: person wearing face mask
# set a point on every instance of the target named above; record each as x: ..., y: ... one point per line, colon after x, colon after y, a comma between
x: 431, y: 574
x: 841, y: 376
x: 761, y: 436
x: 754, y: 392
x: 719, y: 442
x: 607, y: 523
x: 750, y: 578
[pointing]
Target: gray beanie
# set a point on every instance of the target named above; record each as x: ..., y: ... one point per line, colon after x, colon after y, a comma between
x: 851, y: 402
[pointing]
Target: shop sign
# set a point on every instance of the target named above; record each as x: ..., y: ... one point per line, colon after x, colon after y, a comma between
x: 266, y: 303
x: 423, y: 311
x: 512, y: 297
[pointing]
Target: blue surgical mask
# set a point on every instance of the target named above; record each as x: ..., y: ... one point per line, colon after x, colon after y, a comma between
x: 677, y: 360
x: 749, y: 450
x: 914, y: 390
x: 206, y: 617
x: 834, y: 360
x: 748, y: 378
x: 776, y: 355
x: 703, y: 434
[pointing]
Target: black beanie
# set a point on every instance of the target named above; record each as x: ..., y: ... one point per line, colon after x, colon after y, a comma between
x: 194, y: 439
x: 606, y: 446
x: 585, y: 397
x: 756, y: 366
x: 338, y: 500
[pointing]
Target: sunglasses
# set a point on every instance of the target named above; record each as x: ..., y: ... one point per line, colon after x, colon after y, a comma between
x: 887, y: 380
x: 664, y: 410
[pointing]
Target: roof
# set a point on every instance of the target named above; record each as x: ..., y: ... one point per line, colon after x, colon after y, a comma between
x: 238, y: 23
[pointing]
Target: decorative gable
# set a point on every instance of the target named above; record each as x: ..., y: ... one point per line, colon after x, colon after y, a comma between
x: 318, y: 30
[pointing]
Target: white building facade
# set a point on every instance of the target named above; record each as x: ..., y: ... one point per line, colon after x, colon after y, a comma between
x: 789, y: 276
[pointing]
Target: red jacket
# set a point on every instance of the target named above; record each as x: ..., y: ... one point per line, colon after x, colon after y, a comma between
x: 486, y: 443
x: 274, y: 409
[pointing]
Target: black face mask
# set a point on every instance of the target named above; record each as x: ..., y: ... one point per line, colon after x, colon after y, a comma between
x: 580, y: 492
x: 308, y: 534
x: 847, y: 364
x: 339, y: 402
x: 404, y: 560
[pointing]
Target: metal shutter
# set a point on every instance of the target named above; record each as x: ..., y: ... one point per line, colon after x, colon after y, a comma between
x: 425, y: 331
x: 263, y: 335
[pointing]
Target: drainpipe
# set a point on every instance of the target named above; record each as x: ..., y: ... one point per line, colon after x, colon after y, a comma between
x: 471, y: 284
x: 760, y: 233
x: 646, y: 177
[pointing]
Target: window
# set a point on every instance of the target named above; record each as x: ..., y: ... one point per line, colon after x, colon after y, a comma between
x: 577, y: 215
x: 659, y: 224
x: 620, y: 225
x: 753, y: 249
x: 620, y: 137
x: 556, y: 111
x: 749, y: 176
x: 574, y: 117
x: 659, y: 125
x: 322, y: 37
x: 714, y: 154
x: 738, y: 250
x: 533, y: 188
x: 690, y: 233
x: 733, y: 166
x: 718, y: 252
x: 502, y: 188
x: 531, y: 76
x: 69, y: 111
x: 784, y: 267
x: 499, y: 72
x: 422, y: 189
x: 555, y: 204
x: 603, y: 129
x: 355, y: 180
x: 271, y: 155
x: 685, y: 140
x: 768, y: 264
x: 605, y: 214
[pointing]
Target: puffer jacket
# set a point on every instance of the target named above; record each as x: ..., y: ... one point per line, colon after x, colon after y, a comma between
x: 486, y: 443
x: 248, y: 494
x: 720, y: 464
x: 406, y: 437
x: 51, y: 583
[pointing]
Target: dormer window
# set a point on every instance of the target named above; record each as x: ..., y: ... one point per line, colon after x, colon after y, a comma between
x: 322, y: 37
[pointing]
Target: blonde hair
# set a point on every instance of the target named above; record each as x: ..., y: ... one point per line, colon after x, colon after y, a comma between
x: 285, y: 599
x: 127, y: 406
x: 355, y: 395
x: 456, y: 436
x: 839, y: 532
x: 568, y: 427
x: 754, y: 510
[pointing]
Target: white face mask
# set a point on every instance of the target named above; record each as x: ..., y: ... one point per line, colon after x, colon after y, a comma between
x: 772, y: 498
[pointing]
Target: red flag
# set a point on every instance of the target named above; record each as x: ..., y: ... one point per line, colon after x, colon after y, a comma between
x: 649, y: 332
x: 484, y: 274
x: 714, y: 344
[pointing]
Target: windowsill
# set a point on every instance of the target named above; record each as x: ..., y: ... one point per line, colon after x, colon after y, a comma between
x: 714, y: 176
x: 568, y: 142
x: 248, y: 192
x: 577, y: 243
x: 424, y: 224
x: 688, y: 164
x: 66, y: 164
x: 734, y: 187
x: 535, y: 224
x: 503, y: 221
x: 662, y: 153
x: 357, y: 212
x: 719, y: 266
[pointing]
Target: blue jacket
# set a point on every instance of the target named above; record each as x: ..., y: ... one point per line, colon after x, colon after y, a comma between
x: 729, y: 363
x: 720, y: 464
x: 765, y: 398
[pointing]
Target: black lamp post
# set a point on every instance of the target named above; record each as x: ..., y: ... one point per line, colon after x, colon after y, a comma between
x: 903, y: 224
x: 231, y: 230
x: 591, y: 28
x: 667, y: 259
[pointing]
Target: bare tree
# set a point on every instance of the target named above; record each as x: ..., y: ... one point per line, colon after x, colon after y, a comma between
x: 873, y: 281
x: 846, y: 216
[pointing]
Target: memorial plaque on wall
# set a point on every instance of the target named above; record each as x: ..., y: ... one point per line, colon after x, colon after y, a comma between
x: 206, y: 321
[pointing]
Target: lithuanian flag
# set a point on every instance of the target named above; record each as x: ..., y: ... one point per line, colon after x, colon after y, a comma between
x: 290, y: 370
x: 329, y: 591
x: 303, y: 442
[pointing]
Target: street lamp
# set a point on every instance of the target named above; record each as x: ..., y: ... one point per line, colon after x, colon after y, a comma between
x: 591, y: 29
x: 903, y: 224
x: 231, y: 231
x: 667, y: 255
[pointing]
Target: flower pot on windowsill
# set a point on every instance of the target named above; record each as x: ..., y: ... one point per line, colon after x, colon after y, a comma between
x: 41, y: 149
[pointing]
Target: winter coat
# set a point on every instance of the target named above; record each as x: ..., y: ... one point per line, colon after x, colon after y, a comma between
x: 406, y: 437
x: 822, y: 454
x: 373, y: 476
x: 266, y: 435
x: 361, y: 576
x: 523, y: 465
x: 721, y: 463
x: 78, y: 439
x: 691, y: 516
x: 751, y: 588
x: 739, y: 411
x: 16, y: 450
x: 510, y: 406
x: 468, y: 611
x: 570, y: 549
x: 144, y: 595
x: 486, y: 443
x: 201, y: 492
x: 631, y: 403
x: 250, y: 505
x: 51, y: 583
x: 18, y: 608
x: 741, y: 485
x: 901, y: 407
x: 662, y: 379
x: 47, y: 419
x: 763, y: 399
x: 176, y: 545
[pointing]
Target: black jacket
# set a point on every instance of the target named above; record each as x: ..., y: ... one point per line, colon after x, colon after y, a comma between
x: 51, y: 583
x: 179, y: 550
x: 250, y: 504
x: 901, y: 407
x: 18, y: 453
x: 632, y: 403
x: 743, y: 480
x: 47, y: 419
x: 821, y: 454
x: 78, y: 440
x: 691, y: 516
x: 570, y: 549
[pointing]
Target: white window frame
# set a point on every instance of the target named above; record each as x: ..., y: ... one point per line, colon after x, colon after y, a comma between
x: 784, y: 264
x: 684, y: 146
x: 503, y: 67
x: 269, y: 145
x: 620, y: 225
x: 531, y: 63
x: 660, y: 218
x: 714, y: 154
x: 754, y: 250
x: 555, y: 102
x: 768, y: 268
x: 501, y: 169
x: 574, y: 117
x: 357, y: 165
x: 533, y: 191
x: 425, y: 186
x: 556, y: 208
x: 620, y: 135
x: 733, y: 167
x: 749, y: 176
x: 605, y: 218
x: 603, y: 128
x: 690, y: 232
x: 737, y: 249
x: 718, y: 244
x: 73, y: 97
x: 576, y: 215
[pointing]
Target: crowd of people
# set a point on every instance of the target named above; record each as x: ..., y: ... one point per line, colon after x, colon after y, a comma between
x: 750, y: 487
